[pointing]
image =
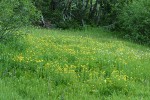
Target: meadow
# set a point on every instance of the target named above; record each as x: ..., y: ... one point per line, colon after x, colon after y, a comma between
x: 90, y: 64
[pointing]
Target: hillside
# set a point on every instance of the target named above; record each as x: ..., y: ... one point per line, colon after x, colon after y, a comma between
x: 91, y: 64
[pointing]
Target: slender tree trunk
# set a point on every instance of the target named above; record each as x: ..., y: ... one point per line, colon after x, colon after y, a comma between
x: 93, y: 9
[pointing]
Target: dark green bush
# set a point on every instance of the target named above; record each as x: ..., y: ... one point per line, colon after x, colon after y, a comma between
x: 135, y: 21
x: 15, y: 14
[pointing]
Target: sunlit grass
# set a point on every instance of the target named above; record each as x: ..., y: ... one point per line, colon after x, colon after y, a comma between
x: 91, y: 64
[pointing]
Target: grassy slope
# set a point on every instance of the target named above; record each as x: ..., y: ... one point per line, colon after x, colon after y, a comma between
x: 69, y: 65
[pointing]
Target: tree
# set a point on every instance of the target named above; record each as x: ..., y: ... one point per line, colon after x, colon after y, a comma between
x: 14, y: 14
x: 81, y: 12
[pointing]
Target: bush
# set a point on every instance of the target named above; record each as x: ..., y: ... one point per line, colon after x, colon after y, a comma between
x: 135, y: 21
x: 14, y: 14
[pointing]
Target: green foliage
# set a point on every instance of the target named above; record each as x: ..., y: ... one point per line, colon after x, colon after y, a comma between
x: 7, y: 93
x: 78, y: 13
x: 72, y: 65
x: 135, y: 21
x: 15, y: 14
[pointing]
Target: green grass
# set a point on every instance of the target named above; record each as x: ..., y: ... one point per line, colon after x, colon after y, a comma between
x: 91, y: 64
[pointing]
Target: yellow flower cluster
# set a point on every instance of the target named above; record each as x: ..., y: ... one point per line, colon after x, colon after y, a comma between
x: 84, y: 58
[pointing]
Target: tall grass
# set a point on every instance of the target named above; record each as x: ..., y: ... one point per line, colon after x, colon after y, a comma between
x: 67, y: 65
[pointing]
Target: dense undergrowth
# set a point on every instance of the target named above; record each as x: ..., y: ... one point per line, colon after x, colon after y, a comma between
x: 68, y: 65
x: 134, y: 21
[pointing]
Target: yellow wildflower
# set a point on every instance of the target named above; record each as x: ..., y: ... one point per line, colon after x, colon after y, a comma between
x: 20, y: 58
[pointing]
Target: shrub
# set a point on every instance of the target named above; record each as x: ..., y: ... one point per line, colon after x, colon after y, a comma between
x: 14, y: 14
x: 135, y: 21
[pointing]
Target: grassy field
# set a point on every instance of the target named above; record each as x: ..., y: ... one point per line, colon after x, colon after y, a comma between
x: 91, y: 64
